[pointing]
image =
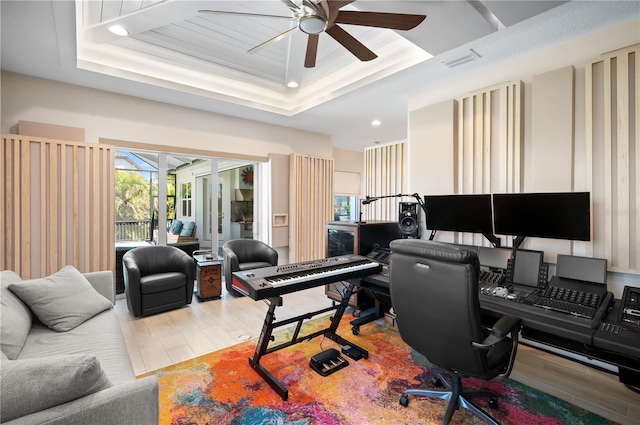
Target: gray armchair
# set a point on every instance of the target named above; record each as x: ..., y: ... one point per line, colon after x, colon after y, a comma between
x: 434, y: 292
x: 245, y: 254
x: 157, y: 278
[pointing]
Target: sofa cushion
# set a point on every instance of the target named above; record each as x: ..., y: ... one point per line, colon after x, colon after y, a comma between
x: 100, y: 336
x: 176, y: 227
x: 187, y: 229
x: 29, y: 386
x: 15, y: 317
x: 63, y: 300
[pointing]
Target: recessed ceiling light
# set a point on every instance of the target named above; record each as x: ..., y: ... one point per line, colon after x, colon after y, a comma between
x: 375, y: 123
x: 292, y: 84
x: 118, y: 30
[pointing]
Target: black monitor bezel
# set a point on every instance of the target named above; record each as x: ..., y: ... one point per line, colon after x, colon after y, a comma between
x: 529, y: 215
x: 486, y: 229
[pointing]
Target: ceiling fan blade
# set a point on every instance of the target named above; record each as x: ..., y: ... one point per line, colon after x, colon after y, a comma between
x: 395, y: 21
x: 273, y: 40
x: 324, y: 5
x: 359, y: 50
x: 245, y: 14
x: 333, y: 6
x: 312, y: 51
x: 291, y: 5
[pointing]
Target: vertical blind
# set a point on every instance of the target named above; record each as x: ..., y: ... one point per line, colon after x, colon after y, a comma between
x: 58, y: 206
x: 311, y: 192
x: 613, y: 148
x: 385, y: 174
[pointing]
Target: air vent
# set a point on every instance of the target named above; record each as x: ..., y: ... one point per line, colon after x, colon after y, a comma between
x: 460, y: 59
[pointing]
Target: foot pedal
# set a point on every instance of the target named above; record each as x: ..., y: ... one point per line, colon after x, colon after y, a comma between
x: 327, y: 362
x: 352, y: 352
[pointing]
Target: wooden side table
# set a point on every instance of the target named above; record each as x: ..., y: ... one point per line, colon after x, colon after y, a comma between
x: 208, y: 279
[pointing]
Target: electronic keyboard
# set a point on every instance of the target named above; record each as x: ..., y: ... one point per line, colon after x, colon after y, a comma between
x: 274, y: 281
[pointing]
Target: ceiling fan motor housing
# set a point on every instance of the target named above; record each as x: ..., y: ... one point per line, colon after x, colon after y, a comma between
x: 312, y: 24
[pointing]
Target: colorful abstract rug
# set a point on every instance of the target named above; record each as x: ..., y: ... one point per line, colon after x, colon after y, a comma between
x: 221, y: 388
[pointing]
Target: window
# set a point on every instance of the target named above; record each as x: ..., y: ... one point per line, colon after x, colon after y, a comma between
x: 346, y: 208
x: 185, y: 194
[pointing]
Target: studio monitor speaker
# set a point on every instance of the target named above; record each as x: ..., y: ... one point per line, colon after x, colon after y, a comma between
x: 409, y: 219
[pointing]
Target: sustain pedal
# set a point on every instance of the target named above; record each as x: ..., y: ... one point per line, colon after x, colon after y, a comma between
x: 327, y: 362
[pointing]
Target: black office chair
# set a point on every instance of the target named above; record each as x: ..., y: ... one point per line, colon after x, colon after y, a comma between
x: 245, y: 254
x: 434, y: 292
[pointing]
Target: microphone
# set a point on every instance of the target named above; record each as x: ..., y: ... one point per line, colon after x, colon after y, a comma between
x: 368, y: 200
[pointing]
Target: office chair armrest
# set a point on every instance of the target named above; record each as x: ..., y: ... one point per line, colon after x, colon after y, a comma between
x: 503, y: 327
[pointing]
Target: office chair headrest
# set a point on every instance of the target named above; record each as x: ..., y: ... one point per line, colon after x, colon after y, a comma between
x: 431, y: 249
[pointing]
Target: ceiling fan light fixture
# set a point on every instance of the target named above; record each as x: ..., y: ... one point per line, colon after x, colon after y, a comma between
x: 118, y: 30
x: 312, y: 24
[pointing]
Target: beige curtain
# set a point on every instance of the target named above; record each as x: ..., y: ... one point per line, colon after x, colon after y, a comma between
x: 386, y: 170
x: 58, y: 206
x: 613, y: 156
x: 311, y: 206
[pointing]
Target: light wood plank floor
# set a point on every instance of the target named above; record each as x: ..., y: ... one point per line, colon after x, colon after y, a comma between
x: 202, y: 327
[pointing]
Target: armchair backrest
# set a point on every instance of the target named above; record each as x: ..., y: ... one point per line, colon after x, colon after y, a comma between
x: 251, y: 250
x: 160, y: 259
x: 434, y: 292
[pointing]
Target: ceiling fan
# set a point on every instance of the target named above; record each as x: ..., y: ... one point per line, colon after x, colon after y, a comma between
x: 316, y: 16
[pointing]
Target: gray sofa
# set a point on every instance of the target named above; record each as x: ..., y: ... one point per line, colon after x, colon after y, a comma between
x: 105, y: 391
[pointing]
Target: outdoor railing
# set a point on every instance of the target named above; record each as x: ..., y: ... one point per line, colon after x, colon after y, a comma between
x: 133, y: 230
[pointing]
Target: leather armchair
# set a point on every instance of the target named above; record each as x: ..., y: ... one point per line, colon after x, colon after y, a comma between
x: 157, y: 278
x: 434, y: 292
x: 245, y: 254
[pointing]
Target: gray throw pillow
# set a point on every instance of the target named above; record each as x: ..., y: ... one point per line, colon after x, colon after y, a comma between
x: 15, y: 317
x: 63, y: 300
x: 31, y: 385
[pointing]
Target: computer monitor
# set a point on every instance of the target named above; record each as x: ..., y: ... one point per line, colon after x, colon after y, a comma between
x: 459, y: 213
x: 564, y: 215
x: 494, y: 258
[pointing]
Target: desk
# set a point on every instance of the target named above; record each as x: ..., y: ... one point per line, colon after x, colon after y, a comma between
x: 562, y: 331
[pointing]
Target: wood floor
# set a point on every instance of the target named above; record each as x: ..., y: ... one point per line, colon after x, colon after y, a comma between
x: 164, y: 339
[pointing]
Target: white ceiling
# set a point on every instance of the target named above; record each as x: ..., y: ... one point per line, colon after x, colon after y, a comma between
x: 175, y: 54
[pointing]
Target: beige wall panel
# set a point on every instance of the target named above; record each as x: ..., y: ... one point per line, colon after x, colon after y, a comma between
x: 41, y: 219
x: 612, y: 98
x: 552, y: 141
x: 311, y: 206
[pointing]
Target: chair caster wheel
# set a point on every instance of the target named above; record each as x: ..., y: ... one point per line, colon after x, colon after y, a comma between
x: 404, y: 401
x: 493, y: 402
x: 355, y: 330
x: 437, y: 382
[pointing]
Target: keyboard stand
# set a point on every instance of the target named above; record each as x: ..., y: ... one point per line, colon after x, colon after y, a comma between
x: 378, y: 312
x: 262, y: 348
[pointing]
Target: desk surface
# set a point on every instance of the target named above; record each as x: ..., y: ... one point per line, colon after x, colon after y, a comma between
x: 625, y: 346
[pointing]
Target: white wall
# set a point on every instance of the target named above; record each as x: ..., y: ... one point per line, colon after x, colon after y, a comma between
x: 114, y: 116
x: 431, y: 150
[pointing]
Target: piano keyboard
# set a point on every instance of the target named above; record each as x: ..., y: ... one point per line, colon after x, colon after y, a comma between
x: 278, y: 280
